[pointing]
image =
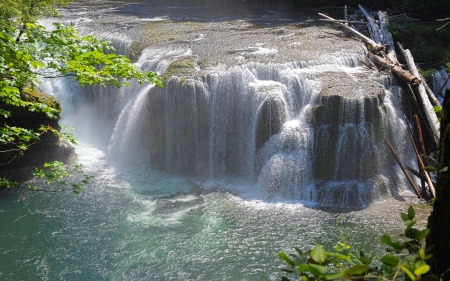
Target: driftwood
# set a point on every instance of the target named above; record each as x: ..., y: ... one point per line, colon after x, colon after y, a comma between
x: 422, y: 166
x: 381, y: 62
x: 374, y: 28
x: 421, y: 113
x: 422, y: 146
x: 365, y: 39
x: 345, y: 21
x: 386, y: 36
x: 404, y: 75
x: 427, y: 107
x: 404, y: 170
x: 429, y: 92
x: 417, y: 174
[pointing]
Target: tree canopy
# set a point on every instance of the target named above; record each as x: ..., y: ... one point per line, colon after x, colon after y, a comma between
x: 29, y: 52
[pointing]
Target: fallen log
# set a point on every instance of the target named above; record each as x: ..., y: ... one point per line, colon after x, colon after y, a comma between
x: 427, y: 107
x: 345, y: 21
x: 429, y: 92
x: 417, y: 174
x: 374, y: 28
x: 422, y: 166
x: 365, y: 39
x: 399, y: 72
x: 423, y: 153
x: 404, y: 170
x: 422, y: 115
x: 386, y: 36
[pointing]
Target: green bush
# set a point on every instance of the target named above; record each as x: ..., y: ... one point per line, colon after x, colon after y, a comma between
x: 406, y: 260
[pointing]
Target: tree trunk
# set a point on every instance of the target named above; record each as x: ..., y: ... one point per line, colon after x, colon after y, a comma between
x: 439, y: 220
x: 427, y: 107
x: 386, y: 36
x: 375, y: 31
x: 404, y: 75
x: 365, y: 39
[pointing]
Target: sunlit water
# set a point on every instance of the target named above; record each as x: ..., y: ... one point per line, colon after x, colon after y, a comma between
x: 134, y: 222
x: 141, y: 224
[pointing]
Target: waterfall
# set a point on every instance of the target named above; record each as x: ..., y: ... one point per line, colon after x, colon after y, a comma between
x: 314, y: 130
x: 288, y: 128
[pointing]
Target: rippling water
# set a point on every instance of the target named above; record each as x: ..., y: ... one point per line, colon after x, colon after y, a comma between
x: 136, y: 223
x: 140, y: 224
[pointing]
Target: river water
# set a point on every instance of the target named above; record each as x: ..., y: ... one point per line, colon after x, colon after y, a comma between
x: 190, y: 205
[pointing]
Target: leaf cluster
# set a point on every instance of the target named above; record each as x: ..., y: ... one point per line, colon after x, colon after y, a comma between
x: 61, y: 177
x: 404, y: 260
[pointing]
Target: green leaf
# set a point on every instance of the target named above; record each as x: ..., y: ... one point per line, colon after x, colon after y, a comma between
x: 365, y: 260
x: 303, y: 267
x: 318, y: 254
x: 334, y: 276
x: 428, y: 169
x: 287, y: 270
x: 423, y: 234
x: 285, y: 258
x: 410, y: 223
x: 412, y: 233
x: 317, y: 270
x: 411, y: 213
x: 338, y: 256
x: 357, y: 270
x: 422, y: 270
x: 390, y: 260
x: 386, y: 239
x: 404, y: 217
x: 444, y: 169
x: 422, y: 253
x: 408, y: 272
x: 419, y: 263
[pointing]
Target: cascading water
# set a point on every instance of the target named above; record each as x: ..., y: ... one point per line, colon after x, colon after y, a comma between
x: 314, y: 129
x: 290, y: 128
x: 208, y: 177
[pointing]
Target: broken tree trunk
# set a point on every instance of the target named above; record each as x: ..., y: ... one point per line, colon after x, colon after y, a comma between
x: 427, y: 107
x: 404, y: 75
x: 374, y: 28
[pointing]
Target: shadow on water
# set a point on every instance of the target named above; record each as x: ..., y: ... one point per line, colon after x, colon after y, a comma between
x: 267, y: 14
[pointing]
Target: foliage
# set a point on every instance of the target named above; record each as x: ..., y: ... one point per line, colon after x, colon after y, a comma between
x: 60, y: 177
x: 29, y: 52
x: 427, y: 74
x: 422, y: 40
x: 405, y: 259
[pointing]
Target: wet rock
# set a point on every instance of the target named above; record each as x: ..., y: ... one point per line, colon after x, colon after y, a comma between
x: 348, y: 128
x: 48, y: 148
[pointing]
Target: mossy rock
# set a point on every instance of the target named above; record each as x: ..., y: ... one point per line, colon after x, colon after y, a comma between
x: 182, y: 67
x: 36, y: 95
x: 48, y: 148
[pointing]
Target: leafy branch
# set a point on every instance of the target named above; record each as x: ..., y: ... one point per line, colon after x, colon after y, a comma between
x: 407, y: 260
x: 61, y: 177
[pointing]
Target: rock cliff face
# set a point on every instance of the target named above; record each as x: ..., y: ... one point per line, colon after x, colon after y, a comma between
x: 350, y: 113
x: 15, y: 165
